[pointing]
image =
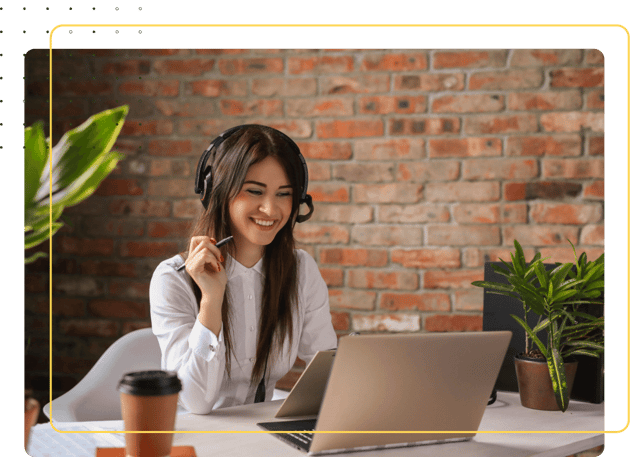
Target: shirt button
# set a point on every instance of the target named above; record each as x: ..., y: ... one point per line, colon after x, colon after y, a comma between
x: 251, y: 297
x: 252, y: 360
x: 251, y: 329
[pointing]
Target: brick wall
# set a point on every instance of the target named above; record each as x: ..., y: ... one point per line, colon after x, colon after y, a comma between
x: 424, y: 164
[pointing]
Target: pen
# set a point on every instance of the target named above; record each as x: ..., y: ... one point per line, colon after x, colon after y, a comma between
x: 223, y: 242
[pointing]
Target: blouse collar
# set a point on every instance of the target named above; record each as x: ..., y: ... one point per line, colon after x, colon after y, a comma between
x: 235, y: 268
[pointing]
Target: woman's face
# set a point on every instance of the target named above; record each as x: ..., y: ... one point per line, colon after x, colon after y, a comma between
x: 262, y: 207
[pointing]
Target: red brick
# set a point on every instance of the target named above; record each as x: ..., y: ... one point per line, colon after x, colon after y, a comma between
x: 443, y: 170
x: 387, y: 235
x: 469, y: 59
x: 349, y: 129
x: 126, y: 288
x: 127, y: 67
x: 330, y: 192
x: 387, y: 193
x: 547, y: 145
x: 217, y: 88
x: 387, y: 104
x: 573, y: 121
x: 343, y: 214
x: 510, y: 123
x: 319, y: 171
x: 472, y: 213
x: 189, y: 67
x: 151, y: 88
x: 489, y: 169
x: 577, y: 77
x: 333, y: 277
x: 112, y: 186
x: 595, y: 99
x: 109, y: 268
x: 430, y: 82
x: 326, y: 150
x: 321, y: 234
x: 340, y: 321
x: 565, y: 213
x: 133, y: 208
x: 593, y: 235
x: 169, y: 229
x: 473, y: 257
x: 421, y: 302
x: 295, y: 129
x: 538, y: 235
x: 185, y: 109
x: 513, y: 214
x: 594, y: 190
x: 453, y: 323
x: 427, y: 258
x: 394, y: 149
x: 464, y: 147
x: 354, y: 257
x: 596, y: 146
x: 360, y: 84
x: 423, y: 126
x: 280, y: 87
x: 506, y: 80
x: 311, y: 107
x: 150, y: 128
x: 539, y: 57
x: 468, y: 103
x: 573, y: 168
x: 106, y: 226
x: 88, y: 328
x: 251, y: 107
x: 67, y: 307
x: 84, y: 246
x: 462, y: 191
x: 594, y: 57
x: 320, y: 65
x: 386, y: 322
x: 82, y: 88
x: 417, y: 213
x: 169, y: 167
x: 189, y: 208
x: 565, y: 100
x: 451, y: 279
x: 468, y: 300
x: 361, y: 171
x: 382, y: 279
x: 170, y: 187
x: 209, y: 128
x: 395, y: 62
x: 250, y: 66
x: 118, y: 308
x: 148, y: 249
x: 352, y: 299
x: 219, y: 52
x: 564, y: 254
x: 467, y: 235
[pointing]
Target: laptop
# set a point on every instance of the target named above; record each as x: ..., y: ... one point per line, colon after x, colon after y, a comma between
x: 435, y: 383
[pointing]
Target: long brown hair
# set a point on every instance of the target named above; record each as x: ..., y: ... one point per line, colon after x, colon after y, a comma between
x: 230, y: 164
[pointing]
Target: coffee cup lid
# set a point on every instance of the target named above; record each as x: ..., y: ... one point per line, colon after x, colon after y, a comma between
x: 151, y: 382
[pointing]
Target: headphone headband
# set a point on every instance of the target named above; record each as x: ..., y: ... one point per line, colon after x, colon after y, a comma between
x: 203, y: 175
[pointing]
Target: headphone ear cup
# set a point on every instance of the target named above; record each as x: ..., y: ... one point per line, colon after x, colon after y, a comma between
x: 207, y: 189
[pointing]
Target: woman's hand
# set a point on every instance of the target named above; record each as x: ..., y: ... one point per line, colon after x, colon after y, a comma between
x: 204, y: 266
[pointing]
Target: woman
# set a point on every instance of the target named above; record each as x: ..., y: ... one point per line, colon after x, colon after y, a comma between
x: 232, y: 320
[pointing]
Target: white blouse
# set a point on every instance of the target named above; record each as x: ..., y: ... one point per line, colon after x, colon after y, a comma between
x: 198, y: 355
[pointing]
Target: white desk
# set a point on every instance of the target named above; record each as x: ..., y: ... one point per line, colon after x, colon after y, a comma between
x: 506, y: 414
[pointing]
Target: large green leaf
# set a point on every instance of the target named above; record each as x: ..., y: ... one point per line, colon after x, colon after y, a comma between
x: 558, y: 379
x: 531, y: 334
x: 35, y: 155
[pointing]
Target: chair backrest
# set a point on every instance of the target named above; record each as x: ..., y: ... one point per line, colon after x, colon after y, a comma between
x: 96, y: 397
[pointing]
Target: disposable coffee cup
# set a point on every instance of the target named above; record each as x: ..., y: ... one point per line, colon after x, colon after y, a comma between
x: 149, y: 403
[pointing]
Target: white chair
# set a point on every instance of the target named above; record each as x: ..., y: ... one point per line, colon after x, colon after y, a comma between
x: 96, y: 396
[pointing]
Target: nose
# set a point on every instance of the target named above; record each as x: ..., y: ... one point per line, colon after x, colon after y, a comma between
x: 267, y: 206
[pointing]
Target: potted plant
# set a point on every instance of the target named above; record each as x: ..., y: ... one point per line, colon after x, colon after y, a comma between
x: 556, y: 296
x: 80, y: 161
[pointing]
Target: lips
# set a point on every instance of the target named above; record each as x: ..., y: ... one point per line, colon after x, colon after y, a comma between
x: 264, y: 224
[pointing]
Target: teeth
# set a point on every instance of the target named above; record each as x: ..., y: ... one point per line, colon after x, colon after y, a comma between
x: 264, y: 223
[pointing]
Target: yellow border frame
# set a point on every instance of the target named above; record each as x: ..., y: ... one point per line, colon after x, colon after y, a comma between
x: 311, y: 25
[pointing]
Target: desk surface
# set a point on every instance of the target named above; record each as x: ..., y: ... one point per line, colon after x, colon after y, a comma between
x: 506, y: 414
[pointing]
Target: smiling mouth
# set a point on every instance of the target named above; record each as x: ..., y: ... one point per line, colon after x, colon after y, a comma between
x: 263, y: 223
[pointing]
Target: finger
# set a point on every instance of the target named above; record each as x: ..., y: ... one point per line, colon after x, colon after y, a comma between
x: 196, y: 240
x: 206, y: 244
x: 204, y: 257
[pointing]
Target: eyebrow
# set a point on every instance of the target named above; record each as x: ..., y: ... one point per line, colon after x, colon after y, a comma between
x: 265, y: 185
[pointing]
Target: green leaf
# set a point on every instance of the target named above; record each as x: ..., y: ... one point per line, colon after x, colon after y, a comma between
x: 559, y: 274
x: 542, y: 275
x: 35, y: 155
x: 531, y: 334
x: 520, y: 257
x: 34, y: 257
x: 517, y: 266
x: 558, y: 379
x: 32, y: 239
x: 560, y: 296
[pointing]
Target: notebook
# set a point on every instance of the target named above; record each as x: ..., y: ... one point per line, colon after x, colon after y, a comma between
x: 435, y: 383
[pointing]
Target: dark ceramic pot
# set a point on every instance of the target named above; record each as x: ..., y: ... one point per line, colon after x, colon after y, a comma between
x: 534, y: 383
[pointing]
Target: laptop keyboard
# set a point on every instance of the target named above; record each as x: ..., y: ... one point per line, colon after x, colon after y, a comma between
x: 301, y: 438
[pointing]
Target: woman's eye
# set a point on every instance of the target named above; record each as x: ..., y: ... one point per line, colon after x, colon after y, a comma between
x: 254, y: 191
x: 285, y: 194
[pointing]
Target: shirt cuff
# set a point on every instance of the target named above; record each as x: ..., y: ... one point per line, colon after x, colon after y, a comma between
x: 204, y: 342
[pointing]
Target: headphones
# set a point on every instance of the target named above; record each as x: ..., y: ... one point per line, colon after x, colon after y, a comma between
x: 203, y: 175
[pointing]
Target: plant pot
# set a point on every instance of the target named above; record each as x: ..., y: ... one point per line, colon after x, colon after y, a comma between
x: 534, y: 383
x: 31, y: 413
